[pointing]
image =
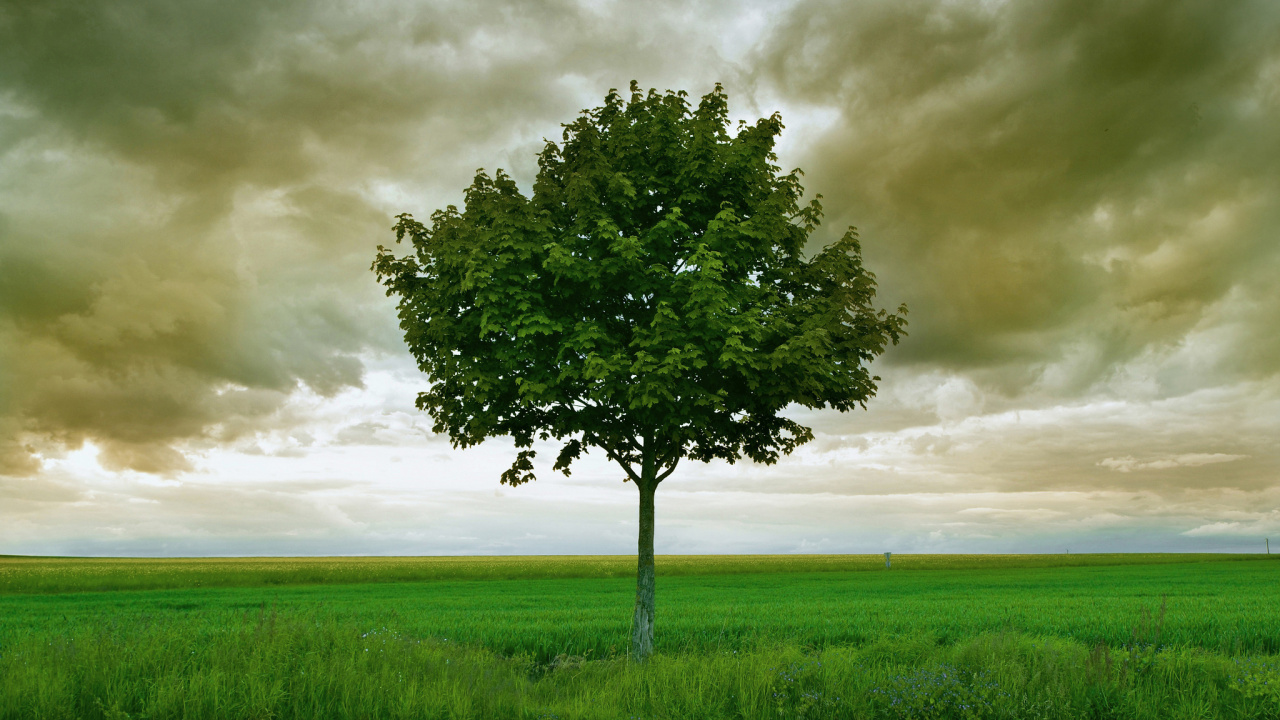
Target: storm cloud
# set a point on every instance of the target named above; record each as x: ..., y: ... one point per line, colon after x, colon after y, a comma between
x: 1079, y: 202
x: 191, y: 193
x: 1068, y: 178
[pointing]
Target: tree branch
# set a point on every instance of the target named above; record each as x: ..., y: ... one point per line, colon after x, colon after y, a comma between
x: 630, y: 473
x: 670, y: 469
x: 595, y: 440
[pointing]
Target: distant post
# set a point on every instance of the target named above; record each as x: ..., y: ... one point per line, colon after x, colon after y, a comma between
x: 1268, y: 546
x: 886, y: 559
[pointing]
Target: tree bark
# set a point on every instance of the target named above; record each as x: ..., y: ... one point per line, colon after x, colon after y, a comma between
x: 642, y: 623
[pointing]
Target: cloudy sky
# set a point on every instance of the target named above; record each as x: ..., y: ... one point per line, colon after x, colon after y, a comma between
x: 1078, y: 200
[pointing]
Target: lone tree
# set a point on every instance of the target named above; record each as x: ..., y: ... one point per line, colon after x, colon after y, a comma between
x: 652, y: 299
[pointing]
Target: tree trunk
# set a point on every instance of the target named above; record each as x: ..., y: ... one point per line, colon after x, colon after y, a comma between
x: 642, y: 624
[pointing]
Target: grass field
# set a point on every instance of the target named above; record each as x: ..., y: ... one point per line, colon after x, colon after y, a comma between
x: 30, y: 574
x: 1156, y: 636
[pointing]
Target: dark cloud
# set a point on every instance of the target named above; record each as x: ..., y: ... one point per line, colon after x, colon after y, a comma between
x: 1037, y: 176
x: 191, y: 193
x: 1077, y: 199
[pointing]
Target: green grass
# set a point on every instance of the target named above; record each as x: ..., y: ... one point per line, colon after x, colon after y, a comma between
x: 1002, y: 636
x: 20, y: 574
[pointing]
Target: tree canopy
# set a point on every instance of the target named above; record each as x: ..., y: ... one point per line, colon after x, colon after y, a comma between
x: 653, y: 298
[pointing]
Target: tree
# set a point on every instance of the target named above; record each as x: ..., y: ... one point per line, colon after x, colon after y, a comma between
x: 652, y: 300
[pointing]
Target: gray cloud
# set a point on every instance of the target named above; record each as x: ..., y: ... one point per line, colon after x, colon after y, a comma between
x: 191, y: 193
x: 1130, y: 464
x: 1076, y: 199
x: 1051, y: 174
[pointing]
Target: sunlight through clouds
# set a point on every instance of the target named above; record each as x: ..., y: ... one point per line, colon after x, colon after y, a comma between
x: 1077, y: 202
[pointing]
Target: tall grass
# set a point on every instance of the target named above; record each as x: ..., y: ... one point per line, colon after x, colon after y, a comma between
x: 311, y: 665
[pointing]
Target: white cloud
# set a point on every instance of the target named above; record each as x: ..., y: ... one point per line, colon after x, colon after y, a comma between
x: 1130, y: 464
x: 1218, y: 528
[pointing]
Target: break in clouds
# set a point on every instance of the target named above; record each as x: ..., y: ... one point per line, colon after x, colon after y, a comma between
x: 1078, y: 201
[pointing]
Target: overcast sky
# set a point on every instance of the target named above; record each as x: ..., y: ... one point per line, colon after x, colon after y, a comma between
x: 1078, y: 200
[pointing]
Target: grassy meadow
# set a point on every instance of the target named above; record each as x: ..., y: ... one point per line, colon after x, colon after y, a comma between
x: 1067, y: 636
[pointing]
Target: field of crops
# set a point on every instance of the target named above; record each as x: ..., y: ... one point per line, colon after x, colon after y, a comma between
x: 809, y: 636
x: 29, y: 574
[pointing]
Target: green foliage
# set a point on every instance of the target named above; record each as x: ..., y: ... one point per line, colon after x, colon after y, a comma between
x: 309, y: 663
x: 1258, y: 680
x: 652, y: 298
x: 940, y: 691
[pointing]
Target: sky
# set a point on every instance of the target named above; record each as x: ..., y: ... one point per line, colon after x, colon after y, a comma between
x: 1078, y: 200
